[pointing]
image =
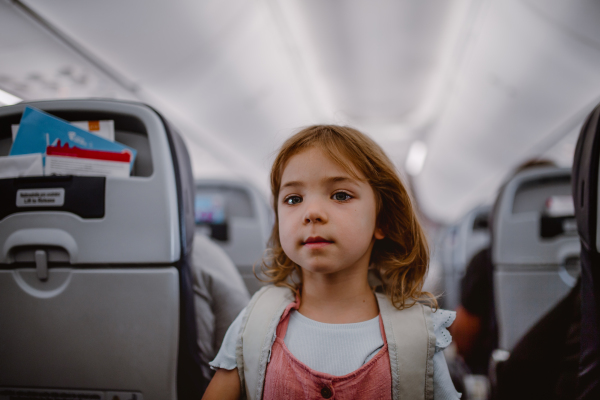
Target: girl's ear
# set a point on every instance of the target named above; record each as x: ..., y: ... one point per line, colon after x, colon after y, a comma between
x: 378, y: 234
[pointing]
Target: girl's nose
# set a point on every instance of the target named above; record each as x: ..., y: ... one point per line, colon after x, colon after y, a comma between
x: 314, y: 214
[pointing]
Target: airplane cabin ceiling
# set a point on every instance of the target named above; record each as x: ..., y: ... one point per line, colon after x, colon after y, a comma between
x: 374, y: 62
x: 530, y: 78
x: 483, y: 84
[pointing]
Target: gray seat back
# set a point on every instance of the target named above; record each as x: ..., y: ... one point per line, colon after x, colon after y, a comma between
x: 107, y: 318
x: 535, y: 251
x: 243, y: 226
x: 469, y: 236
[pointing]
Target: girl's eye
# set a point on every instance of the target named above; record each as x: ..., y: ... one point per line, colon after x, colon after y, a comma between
x: 293, y: 200
x: 341, y: 196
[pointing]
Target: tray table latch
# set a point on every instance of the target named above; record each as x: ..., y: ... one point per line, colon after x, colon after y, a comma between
x: 41, y: 264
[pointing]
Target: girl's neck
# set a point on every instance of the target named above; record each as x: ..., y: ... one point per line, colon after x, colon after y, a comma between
x: 337, y: 301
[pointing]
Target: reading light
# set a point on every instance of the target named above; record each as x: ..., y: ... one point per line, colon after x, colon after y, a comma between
x: 416, y: 158
x: 8, y: 99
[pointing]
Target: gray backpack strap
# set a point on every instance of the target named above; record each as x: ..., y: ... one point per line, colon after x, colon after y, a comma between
x: 411, y: 345
x: 257, y: 336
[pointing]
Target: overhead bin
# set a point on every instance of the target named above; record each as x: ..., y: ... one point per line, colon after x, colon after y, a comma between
x: 95, y: 291
x: 535, y: 249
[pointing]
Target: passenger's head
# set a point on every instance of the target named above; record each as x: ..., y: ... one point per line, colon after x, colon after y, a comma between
x: 399, y: 253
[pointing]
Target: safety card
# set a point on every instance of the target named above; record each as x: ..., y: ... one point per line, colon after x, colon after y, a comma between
x: 39, y: 131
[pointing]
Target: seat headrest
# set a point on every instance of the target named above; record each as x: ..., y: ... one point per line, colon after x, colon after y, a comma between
x: 106, y: 219
x: 522, y: 219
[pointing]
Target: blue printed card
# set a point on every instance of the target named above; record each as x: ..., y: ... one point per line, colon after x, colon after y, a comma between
x: 38, y: 130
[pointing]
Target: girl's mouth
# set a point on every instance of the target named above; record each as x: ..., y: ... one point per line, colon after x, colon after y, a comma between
x: 316, y: 242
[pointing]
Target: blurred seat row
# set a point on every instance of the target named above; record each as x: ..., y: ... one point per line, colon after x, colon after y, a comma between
x: 513, y: 272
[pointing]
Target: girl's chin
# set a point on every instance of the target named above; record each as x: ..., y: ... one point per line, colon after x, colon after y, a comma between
x: 320, y: 269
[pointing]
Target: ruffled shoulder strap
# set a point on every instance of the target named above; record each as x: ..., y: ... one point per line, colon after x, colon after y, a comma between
x: 442, y: 319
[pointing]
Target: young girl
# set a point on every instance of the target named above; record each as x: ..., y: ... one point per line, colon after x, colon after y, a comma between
x: 321, y: 331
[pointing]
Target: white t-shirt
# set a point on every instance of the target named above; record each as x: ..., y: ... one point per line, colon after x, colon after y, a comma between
x: 339, y: 349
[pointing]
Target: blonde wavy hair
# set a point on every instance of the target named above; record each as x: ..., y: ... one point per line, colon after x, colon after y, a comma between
x: 401, y: 259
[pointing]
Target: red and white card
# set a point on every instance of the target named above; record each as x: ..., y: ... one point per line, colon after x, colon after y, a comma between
x: 65, y: 160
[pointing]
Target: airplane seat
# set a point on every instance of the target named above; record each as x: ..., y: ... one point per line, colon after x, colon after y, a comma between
x: 238, y: 218
x: 444, y: 254
x: 95, y: 293
x: 585, y: 194
x: 476, y: 232
x: 470, y: 236
x: 535, y: 249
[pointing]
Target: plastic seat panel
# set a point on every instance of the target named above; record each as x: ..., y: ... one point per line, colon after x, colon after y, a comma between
x: 122, y: 334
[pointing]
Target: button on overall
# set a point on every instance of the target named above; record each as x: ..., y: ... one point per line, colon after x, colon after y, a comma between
x: 326, y: 392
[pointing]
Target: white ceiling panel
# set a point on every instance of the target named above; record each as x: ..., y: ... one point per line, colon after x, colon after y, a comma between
x: 375, y: 62
x: 145, y: 39
x: 527, y: 83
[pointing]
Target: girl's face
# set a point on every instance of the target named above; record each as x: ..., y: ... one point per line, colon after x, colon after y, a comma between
x: 327, y: 218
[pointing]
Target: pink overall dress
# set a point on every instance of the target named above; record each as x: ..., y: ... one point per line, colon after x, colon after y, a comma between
x: 288, y: 378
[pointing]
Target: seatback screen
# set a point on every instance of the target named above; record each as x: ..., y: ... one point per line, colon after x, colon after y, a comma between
x: 209, y: 209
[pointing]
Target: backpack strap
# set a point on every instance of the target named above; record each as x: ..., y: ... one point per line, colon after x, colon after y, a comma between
x: 257, y: 335
x: 411, y: 345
